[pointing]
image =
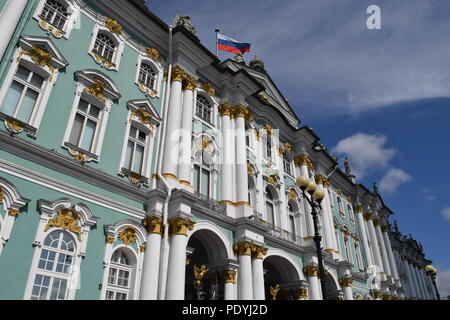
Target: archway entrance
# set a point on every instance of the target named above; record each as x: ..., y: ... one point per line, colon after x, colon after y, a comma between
x: 278, y: 271
x: 333, y: 292
x: 205, y: 248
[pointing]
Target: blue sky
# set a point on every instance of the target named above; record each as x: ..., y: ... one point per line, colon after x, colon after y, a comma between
x: 380, y: 96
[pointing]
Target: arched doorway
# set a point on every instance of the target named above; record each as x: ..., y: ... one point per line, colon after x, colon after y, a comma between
x: 333, y: 292
x: 280, y: 271
x: 205, y: 248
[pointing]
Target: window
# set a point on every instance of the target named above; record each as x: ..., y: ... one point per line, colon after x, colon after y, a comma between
x: 292, y: 222
x: 348, y: 253
x: 267, y: 146
x: 251, y: 191
x: 202, y: 175
x: 340, y: 206
x: 204, y: 110
x: 137, y: 142
x: 350, y: 212
x: 270, y: 208
x: 23, y: 94
x: 85, y: 126
x: 287, y: 165
x: 54, y: 13
x: 147, y: 76
x: 54, y: 267
x: 359, y: 262
x: 119, y: 277
x: 104, y: 47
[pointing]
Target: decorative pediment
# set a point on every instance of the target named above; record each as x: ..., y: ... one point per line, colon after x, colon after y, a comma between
x: 129, y: 231
x: 10, y: 197
x: 42, y: 51
x: 98, y: 84
x: 144, y: 112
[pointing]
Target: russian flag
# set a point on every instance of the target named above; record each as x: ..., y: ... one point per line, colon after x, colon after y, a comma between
x: 227, y: 44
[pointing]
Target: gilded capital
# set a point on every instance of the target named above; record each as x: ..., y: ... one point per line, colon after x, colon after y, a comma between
x: 346, y: 282
x: 109, y: 240
x: 229, y: 276
x: 153, y: 224
x: 240, y: 111
x: 301, y: 293
x: 377, y: 294
x: 242, y: 248
x: 268, y: 128
x: 178, y: 74
x: 209, y: 89
x: 258, y: 252
x: 226, y: 109
x: 303, y: 160
x: 2, y: 195
x: 385, y: 228
x: 320, y: 179
x: 13, y: 212
x: 359, y: 208
x: 311, y: 271
x: 367, y: 216
x: 189, y: 83
x: 180, y: 226
x: 376, y: 222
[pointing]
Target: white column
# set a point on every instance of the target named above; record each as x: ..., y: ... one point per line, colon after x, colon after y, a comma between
x: 230, y: 285
x: 258, y: 273
x: 426, y: 283
x: 245, y: 279
x: 184, y: 169
x: 241, y: 156
x: 364, y: 236
x: 176, y: 273
x: 419, y: 282
x: 374, y: 241
x: 302, y: 162
x: 9, y: 20
x: 312, y: 273
x: 150, y: 268
x: 346, y: 284
x: 328, y: 222
x: 414, y: 291
x: 387, y: 243
x: 227, y: 165
x: 384, y: 257
x: 172, y: 141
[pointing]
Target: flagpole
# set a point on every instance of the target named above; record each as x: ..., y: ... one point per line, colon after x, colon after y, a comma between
x: 217, y: 42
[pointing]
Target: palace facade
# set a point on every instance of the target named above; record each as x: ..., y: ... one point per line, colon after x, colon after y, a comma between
x: 136, y: 165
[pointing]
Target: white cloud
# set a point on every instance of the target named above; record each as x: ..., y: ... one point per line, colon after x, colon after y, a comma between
x: 443, y: 283
x: 366, y: 152
x: 393, y: 179
x: 446, y: 213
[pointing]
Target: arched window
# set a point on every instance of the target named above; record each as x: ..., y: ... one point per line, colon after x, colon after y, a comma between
x: 251, y: 191
x: 340, y: 206
x: 359, y: 260
x: 348, y: 252
x: 287, y: 165
x: 147, y: 76
x: 267, y: 146
x: 105, y: 47
x: 350, y: 212
x: 270, y: 208
x: 291, y: 213
x: 54, y: 13
x: 121, y: 273
x: 203, y: 110
x: 54, y: 267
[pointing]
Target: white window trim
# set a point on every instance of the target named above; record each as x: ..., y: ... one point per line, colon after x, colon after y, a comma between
x: 73, y: 11
x: 214, y: 108
x: 50, y: 79
x: 120, y: 46
x: 49, y: 211
x: 11, y: 200
x: 213, y: 168
x: 113, y: 231
x: 159, y: 73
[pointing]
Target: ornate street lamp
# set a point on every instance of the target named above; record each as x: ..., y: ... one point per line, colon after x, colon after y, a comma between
x: 431, y: 271
x: 317, y: 195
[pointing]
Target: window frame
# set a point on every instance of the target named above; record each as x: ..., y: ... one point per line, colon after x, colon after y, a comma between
x: 131, y: 269
x: 118, y: 39
x: 73, y: 11
x: 287, y: 163
x: 201, y: 96
x: 213, y: 101
x: 157, y: 68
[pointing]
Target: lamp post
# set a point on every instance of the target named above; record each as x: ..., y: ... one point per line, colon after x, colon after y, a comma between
x: 431, y: 271
x: 317, y: 195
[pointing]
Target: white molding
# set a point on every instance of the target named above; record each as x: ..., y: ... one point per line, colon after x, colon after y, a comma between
x: 69, y: 189
x: 159, y: 75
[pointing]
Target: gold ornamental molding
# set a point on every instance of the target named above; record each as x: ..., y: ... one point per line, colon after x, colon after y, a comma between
x: 66, y: 219
x: 153, y: 224
x: 226, y: 109
x: 109, y: 240
x: 263, y: 98
x: 320, y: 179
x: 242, y: 248
x: 274, y: 291
x: 142, y: 248
x: 178, y: 74
x: 208, y: 89
x: 2, y: 195
x: 128, y: 235
x: 292, y: 195
x: 349, y: 199
x: 153, y: 53
x: 301, y: 293
x: 229, y: 276
x: 303, y: 160
x: 240, y: 111
x: 189, y: 83
x: 359, y: 209
x: 40, y: 56
x: 48, y: 27
x: 376, y: 222
x: 14, y: 125
x: 377, y: 294
x: 385, y: 228
x: 199, y: 274
x: 100, y: 59
x: 97, y: 88
x: 258, y: 134
x: 339, y: 193
x: 346, y: 282
x: 13, y: 212
x: 311, y: 271
x: 368, y: 216
x: 268, y: 128
x: 258, y: 252
x: 143, y: 116
x: 113, y: 26
x: 250, y: 170
x: 180, y: 226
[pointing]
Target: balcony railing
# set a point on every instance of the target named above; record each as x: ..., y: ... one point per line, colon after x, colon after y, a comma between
x: 210, y: 203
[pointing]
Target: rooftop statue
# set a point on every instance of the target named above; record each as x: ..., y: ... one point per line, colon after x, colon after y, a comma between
x: 257, y: 64
x: 375, y: 188
x: 347, y: 166
x: 185, y: 22
x: 239, y: 58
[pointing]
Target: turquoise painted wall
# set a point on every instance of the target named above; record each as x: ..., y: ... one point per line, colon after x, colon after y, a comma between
x: 17, y: 255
